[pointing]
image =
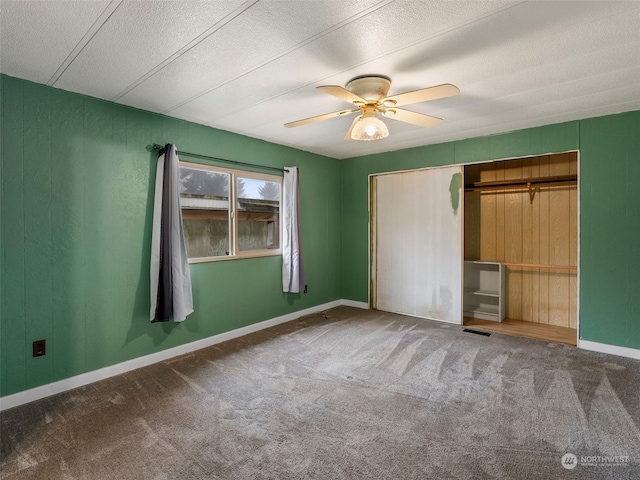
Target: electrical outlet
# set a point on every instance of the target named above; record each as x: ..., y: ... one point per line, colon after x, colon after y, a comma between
x: 306, y: 289
x: 39, y: 348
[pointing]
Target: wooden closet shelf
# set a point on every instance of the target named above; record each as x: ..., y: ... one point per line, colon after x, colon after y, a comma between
x: 540, y: 265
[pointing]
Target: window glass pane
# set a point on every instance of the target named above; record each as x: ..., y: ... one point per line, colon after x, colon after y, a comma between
x: 204, y: 198
x: 258, y: 214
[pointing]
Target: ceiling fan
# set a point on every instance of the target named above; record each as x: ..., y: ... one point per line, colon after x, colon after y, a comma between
x: 368, y: 93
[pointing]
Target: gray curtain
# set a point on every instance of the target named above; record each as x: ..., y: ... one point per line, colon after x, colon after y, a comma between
x: 171, y: 296
x: 292, y: 268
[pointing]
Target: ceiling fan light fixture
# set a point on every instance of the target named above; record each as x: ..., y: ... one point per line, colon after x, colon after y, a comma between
x: 369, y: 127
x: 369, y: 95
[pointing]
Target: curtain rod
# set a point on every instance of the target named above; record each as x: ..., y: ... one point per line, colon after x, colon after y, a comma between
x: 160, y: 150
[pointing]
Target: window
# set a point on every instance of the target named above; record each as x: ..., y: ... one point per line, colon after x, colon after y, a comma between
x: 229, y: 213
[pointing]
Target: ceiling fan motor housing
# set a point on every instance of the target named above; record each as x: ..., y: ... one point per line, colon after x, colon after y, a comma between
x: 372, y: 88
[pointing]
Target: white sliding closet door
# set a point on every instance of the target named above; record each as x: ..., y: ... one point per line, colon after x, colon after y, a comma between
x: 417, y: 243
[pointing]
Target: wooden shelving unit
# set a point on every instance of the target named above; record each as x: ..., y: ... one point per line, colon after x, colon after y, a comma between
x: 484, y: 290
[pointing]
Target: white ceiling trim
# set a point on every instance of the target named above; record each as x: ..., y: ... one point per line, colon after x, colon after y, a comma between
x: 207, y: 33
x: 84, y: 41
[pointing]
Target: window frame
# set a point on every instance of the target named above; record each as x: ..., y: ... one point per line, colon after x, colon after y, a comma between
x: 234, y: 251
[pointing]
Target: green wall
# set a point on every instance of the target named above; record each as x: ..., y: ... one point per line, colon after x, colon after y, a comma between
x: 609, y: 211
x: 77, y: 183
x: 77, y: 189
x: 610, y: 230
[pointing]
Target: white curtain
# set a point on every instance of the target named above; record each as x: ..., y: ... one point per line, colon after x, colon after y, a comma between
x: 171, y: 296
x: 292, y: 271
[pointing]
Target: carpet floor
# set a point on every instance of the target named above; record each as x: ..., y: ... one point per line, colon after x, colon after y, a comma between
x: 346, y: 394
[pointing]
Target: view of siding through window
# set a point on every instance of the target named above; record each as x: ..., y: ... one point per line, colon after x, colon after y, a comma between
x: 205, y: 202
x: 258, y: 214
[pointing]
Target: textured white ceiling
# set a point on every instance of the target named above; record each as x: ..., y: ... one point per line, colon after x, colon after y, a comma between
x: 251, y: 66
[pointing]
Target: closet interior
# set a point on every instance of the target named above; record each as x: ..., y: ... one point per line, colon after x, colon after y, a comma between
x: 521, y: 247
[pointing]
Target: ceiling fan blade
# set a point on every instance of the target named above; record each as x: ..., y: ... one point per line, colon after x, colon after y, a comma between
x: 319, y: 118
x: 414, y: 118
x: 353, y: 124
x: 342, y: 93
x: 422, y: 95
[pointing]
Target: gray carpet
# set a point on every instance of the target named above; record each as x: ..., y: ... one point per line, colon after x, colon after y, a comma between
x: 349, y: 394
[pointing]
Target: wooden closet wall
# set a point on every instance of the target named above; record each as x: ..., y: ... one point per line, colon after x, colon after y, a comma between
x: 506, y: 226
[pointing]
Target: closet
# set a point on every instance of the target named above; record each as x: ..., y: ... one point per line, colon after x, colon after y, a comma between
x: 491, y: 245
x: 523, y: 213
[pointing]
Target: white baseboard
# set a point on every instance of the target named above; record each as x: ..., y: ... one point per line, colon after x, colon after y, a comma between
x: 353, y: 303
x: 611, y: 349
x: 43, y: 391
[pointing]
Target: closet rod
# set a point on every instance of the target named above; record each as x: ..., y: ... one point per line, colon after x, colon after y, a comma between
x: 558, y: 180
x: 160, y: 150
x: 530, y: 184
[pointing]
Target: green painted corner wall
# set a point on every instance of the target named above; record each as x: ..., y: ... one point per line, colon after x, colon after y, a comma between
x: 77, y: 189
x: 610, y: 230
x: 609, y: 211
